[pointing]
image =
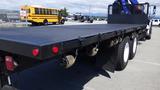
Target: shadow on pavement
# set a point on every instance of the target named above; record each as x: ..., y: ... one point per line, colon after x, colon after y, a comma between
x: 51, y: 76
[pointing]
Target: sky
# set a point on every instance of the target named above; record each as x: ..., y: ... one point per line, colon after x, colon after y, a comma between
x: 73, y: 6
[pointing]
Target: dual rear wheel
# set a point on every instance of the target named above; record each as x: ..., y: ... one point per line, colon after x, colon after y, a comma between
x: 7, y: 87
x: 125, y: 51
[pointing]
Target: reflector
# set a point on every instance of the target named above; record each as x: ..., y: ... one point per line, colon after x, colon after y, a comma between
x: 35, y: 52
x: 55, y: 49
x: 9, y: 62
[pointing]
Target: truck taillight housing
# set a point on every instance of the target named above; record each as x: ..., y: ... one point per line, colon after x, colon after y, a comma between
x: 55, y: 49
x: 35, y: 52
x: 9, y: 62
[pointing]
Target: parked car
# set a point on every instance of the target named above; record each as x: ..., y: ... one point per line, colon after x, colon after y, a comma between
x: 156, y: 22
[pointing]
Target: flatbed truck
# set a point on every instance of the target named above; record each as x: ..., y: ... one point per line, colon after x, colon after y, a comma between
x: 25, y: 47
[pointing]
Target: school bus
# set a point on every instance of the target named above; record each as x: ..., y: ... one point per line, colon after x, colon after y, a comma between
x: 40, y: 15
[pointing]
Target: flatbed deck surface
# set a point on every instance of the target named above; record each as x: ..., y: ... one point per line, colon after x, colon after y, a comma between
x: 44, y: 35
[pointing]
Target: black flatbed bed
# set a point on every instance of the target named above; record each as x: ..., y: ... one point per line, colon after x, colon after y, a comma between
x: 15, y: 40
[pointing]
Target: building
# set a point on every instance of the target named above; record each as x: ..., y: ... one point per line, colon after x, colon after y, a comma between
x: 9, y: 15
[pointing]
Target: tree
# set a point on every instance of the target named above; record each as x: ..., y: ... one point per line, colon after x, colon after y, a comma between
x: 63, y: 12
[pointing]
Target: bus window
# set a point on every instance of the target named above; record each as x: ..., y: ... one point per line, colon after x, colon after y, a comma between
x: 46, y: 11
x: 52, y: 12
x: 43, y: 11
x: 36, y: 11
x: 49, y: 11
x: 40, y: 11
x: 56, y: 12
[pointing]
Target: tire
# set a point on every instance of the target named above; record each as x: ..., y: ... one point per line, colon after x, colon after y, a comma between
x: 62, y: 21
x: 82, y: 20
x: 0, y: 85
x: 0, y: 72
x: 148, y: 37
x: 6, y: 87
x: 133, y: 47
x: 122, y: 54
x: 91, y: 21
x: 45, y: 22
x: 149, y: 31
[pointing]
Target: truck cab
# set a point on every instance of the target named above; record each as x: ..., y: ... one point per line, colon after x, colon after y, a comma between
x: 139, y: 15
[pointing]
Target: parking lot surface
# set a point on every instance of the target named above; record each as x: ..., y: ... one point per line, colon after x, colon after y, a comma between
x: 142, y: 73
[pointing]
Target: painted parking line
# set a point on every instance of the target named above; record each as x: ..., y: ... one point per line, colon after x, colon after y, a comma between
x: 88, y: 88
x: 151, y: 63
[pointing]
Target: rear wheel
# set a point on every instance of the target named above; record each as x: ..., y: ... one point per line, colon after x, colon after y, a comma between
x: 7, y: 87
x: 0, y: 84
x: 122, y: 56
x: 149, y: 31
x: 4, y: 84
x: 45, y: 22
x: 62, y: 21
x: 148, y: 37
x: 1, y: 72
x: 133, y: 47
x: 91, y: 21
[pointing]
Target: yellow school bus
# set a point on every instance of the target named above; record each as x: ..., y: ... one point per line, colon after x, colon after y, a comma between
x: 40, y: 15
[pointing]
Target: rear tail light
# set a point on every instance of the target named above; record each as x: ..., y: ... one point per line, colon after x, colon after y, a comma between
x: 35, y: 52
x: 9, y: 62
x: 55, y: 50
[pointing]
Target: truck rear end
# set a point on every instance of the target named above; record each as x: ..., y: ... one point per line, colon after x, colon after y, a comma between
x: 23, y: 48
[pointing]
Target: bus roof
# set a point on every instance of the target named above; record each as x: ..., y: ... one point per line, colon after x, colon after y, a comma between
x: 36, y: 6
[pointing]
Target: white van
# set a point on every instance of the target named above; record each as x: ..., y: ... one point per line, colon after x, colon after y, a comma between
x: 156, y: 22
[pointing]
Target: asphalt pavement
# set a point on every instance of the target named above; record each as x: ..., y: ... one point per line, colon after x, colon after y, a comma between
x: 142, y: 73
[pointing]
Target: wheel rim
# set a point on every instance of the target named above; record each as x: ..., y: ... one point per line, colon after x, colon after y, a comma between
x: 126, y: 52
x: 148, y: 31
x: 45, y: 22
x: 135, y: 45
x: 62, y: 22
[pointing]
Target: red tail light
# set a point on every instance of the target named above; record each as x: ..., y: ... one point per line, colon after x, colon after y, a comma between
x: 35, y: 52
x: 55, y: 49
x: 9, y: 62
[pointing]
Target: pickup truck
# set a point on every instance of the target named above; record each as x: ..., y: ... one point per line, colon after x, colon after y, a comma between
x: 25, y: 47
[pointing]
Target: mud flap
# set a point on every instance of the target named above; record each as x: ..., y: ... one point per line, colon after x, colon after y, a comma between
x: 105, y: 60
